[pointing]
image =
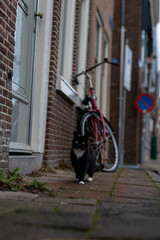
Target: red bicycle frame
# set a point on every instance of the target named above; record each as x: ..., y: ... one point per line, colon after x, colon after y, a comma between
x: 93, y: 108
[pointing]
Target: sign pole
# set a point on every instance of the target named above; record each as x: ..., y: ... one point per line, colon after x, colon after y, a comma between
x: 123, y: 125
x: 120, y: 132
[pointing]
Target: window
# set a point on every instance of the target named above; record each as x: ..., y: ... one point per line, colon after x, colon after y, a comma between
x: 143, y: 62
x: 104, y: 79
x: 98, y: 57
x: 83, y: 44
x: 65, y: 50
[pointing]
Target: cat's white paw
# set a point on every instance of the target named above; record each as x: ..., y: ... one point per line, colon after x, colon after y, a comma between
x: 81, y: 182
x: 89, y: 179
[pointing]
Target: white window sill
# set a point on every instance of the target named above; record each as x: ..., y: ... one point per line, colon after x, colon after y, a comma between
x: 65, y: 88
x: 19, y: 147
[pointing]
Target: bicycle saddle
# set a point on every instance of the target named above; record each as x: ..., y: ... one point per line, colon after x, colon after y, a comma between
x: 86, y: 100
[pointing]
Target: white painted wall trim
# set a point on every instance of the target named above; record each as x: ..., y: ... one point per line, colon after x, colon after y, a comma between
x: 40, y: 95
x: 98, y: 70
x: 65, y: 88
x: 83, y: 45
x: 105, y: 79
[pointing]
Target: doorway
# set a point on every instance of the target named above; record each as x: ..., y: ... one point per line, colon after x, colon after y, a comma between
x: 22, y: 84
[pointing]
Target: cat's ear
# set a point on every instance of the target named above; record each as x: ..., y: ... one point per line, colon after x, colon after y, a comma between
x: 86, y: 136
x: 75, y: 134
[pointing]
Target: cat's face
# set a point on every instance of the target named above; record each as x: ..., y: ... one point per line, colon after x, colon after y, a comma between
x: 80, y: 142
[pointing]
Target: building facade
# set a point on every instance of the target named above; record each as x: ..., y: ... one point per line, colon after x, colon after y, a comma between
x: 43, y: 44
x: 7, y: 44
x: 140, y: 18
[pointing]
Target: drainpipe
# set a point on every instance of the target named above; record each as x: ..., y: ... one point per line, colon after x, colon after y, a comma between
x: 158, y: 56
x: 157, y: 74
x: 121, y: 92
x: 157, y: 42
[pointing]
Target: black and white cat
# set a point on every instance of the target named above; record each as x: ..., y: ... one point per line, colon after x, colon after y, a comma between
x: 83, y: 158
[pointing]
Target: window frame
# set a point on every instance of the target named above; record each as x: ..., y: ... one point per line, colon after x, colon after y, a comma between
x: 105, y: 78
x: 83, y: 44
x: 98, y: 57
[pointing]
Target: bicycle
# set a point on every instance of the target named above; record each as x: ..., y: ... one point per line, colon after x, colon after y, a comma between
x: 98, y: 129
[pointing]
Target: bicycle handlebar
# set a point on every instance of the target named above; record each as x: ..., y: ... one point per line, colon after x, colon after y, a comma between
x: 113, y: 62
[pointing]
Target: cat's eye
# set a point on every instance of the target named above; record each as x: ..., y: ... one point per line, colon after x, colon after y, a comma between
x: 83, y: 142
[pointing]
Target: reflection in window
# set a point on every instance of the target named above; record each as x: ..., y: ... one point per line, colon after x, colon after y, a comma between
x: 65, y: 51
x: 82, y: 52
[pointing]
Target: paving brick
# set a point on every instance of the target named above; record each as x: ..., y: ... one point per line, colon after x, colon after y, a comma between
x: 94, y: 186
x: 142, y: 182
x: 42, y: 200
x: 66, y: 219
x: 74, y: 194
x: 107, y: 174
x: 134, y: 173
x: 18, y: 196
x: 136, y: 191
x: 128, y: 221
x: 19, y: 232
x: 133, y: 200
x: 8, y: 206
x: 155, y: 177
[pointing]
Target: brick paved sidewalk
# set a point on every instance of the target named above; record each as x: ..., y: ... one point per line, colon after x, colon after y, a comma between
x: 125, y: 184
x: 120, y: 205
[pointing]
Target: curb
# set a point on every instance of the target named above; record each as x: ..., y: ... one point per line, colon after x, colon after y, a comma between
x: 18, y: 196
x: 154, y: 177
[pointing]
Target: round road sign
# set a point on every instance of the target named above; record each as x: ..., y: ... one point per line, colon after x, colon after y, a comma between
x: 144, y: 102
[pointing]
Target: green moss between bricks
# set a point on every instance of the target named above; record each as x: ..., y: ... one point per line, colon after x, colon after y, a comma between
x: 151, y: 179
x: 94, y: 219
x: 56, y: 209
x: 93, y: 224
x: 114, y: 184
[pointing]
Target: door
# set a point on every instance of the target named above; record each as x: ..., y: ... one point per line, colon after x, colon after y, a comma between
x: 23, y: 76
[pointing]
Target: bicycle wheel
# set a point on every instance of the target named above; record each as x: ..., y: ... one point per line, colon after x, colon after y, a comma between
x: 106, y: 150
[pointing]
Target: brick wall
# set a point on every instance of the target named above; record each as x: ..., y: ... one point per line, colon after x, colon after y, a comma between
x: 133, y: 118
x: 7, y: 43
x: 76, y: 40
x: 115, y: 73
x: 61, y: 114
x: 105, y: 10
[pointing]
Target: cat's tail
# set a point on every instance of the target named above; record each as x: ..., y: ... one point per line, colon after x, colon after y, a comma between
x: 99, y: 167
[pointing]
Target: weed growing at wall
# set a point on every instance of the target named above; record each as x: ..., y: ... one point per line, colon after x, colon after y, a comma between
x: 10, y: 181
